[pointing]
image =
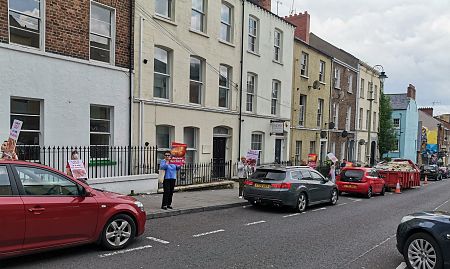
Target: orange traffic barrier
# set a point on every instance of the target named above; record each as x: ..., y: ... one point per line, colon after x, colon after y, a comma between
x: 397, y: 188
x: 425, y: 182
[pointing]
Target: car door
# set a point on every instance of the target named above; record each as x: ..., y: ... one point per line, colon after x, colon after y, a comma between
x: 56, y: 212
x: 12, y: 220
x: 376, y: 181
x: 310, y: 184
x: 323, y: 189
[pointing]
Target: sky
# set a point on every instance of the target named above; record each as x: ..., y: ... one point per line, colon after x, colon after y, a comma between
x: 409, y: 38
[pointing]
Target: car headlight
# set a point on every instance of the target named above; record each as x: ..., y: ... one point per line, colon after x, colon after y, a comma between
x: 140, y: 205
x: 406, y: 218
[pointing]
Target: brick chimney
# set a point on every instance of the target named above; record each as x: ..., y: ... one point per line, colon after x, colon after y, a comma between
x: 427, y: 110
x: 411, y: 93
x: 266, y: 4
x: 301, y: 21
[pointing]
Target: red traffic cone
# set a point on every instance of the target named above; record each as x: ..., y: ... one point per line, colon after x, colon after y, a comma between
x: 397, y: 187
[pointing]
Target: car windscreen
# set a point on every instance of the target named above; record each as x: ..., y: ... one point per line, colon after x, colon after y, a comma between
x: 352, y: 175
x: 268, y: 174
x: 429, y: 167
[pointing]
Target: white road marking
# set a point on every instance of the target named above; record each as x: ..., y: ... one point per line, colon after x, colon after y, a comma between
x: 291, y: 215
x: 441, y: 205
x: 256, y: 222
x: 158, y: 240
x: 401, y: 266
x: 371, y: 249
x: 319, y: 209
x: 341, y: 204
x: 123, y: 251
x: 245, y: 206
x: 212, y: 232
x: 355, y: 200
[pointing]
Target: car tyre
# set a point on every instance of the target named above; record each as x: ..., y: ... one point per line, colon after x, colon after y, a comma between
x: 369, y: 193
x: 302, y: 201
x: 422, y: 244
x: 334, y: 197
x: 118, y: 232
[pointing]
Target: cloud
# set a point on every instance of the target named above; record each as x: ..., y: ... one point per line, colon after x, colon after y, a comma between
x: 409, y: 38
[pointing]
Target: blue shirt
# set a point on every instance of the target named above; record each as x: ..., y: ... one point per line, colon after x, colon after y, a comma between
x: 171, y: 169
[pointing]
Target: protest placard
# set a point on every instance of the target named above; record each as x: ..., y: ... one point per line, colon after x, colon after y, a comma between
x: 78, y: 170
x: 178, y: 153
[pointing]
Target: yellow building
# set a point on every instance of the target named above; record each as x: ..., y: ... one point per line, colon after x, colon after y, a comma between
x: 310, y: 102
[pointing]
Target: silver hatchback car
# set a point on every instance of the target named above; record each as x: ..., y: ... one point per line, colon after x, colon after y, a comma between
x: 293, y: 186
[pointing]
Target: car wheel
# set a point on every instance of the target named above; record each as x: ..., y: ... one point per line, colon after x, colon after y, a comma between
x: 118, y: 232
x: 334, y: 197
x: 369, y: 193
x: 422, y: 251
x: 301, y: 202
x: 383, y: 191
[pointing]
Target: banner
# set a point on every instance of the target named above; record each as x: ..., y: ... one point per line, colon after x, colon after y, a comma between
x: 178, y: 153
x: 78, y: 170
x: 9, y: 147
x: 312, y: 160
x: 252, y: 157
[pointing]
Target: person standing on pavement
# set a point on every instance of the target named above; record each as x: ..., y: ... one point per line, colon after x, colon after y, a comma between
x: 170, y: 178
x: 333, y: 172
x: 242, y: 172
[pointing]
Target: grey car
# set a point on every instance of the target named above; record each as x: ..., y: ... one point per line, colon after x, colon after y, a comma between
x: 293, y: 186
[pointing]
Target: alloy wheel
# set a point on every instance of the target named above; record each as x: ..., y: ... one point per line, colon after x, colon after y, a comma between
x: 421, y: 254
x: 334, y: 197
x: 118, y: 232
x: 369, y: 192
x: 301, y: 204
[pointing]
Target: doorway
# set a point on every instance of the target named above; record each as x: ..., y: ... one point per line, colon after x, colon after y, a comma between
x: 372, y: 153
x: 219, y: 154
x: 278, y: 145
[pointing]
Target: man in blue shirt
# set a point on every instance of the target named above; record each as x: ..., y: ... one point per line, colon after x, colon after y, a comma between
x: 170, y: 178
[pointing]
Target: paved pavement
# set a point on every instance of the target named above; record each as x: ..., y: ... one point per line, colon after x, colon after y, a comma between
x: 356, y: 233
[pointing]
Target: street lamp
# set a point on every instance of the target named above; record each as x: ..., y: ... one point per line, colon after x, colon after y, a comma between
x: 382, y: 76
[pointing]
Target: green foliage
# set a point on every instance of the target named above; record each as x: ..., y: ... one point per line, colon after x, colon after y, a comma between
x: 386, y: 136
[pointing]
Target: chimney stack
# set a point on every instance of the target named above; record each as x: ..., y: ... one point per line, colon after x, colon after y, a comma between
x: 266, y: 4
x: 411, y: 93
x: 427, y: 110
x: 301, y: 21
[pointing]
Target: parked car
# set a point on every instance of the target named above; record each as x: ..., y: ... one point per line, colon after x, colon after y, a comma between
x: 445, y: 172
x: 431, y: 171
x: 293, y: 186
x: 424, y: 240
x: 42, y: 208
x: 360, y: 180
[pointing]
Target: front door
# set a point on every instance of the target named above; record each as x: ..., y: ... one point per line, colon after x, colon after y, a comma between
x: 55, y: 212
x: 278, y: 145
x: 372, y: 153
x: 219, y: 154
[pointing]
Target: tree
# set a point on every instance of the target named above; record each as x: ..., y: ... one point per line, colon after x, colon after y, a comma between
x: 386, y: 136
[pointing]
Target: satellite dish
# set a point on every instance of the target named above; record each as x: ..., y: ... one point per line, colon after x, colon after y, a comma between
x: 331, y: 125
x: 323, y: 134
x: 316, y: 85
x: 344, y: 134
x: 362, y: 142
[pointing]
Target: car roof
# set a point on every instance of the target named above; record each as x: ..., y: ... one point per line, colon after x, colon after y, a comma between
x: 357, y: 168
x: 19, y: 162
x: 280, y: 167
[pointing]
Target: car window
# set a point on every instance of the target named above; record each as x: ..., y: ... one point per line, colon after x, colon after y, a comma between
x: 5, y: 184
x: 305, y: 174
x: 40, y: 182
x: 316, y: 176
x: 373, y: 173
x: 268, y: 174
x: 296, y: 175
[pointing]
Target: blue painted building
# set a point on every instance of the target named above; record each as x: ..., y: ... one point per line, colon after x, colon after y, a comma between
x: 405, y: 117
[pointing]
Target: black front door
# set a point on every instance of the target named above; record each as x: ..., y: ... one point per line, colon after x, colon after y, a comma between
x: 372, y: 153
x: 219, y: 151
x: 278, y: 143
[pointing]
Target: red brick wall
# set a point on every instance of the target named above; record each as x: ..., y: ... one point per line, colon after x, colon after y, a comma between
x: 4, y: 21
x: 302, y: 23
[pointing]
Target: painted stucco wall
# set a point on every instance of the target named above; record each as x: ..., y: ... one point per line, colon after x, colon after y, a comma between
x: 66, y: 88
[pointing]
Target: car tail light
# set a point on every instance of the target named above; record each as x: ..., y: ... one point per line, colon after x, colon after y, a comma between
x: 281, y: 185
x: 248, y: 182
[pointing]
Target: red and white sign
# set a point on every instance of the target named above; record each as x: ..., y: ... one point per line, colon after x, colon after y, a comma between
x: 78, y: 170
x: 178, y: 153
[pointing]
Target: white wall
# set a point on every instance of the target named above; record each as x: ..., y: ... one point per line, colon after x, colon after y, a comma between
x: 66, y: 88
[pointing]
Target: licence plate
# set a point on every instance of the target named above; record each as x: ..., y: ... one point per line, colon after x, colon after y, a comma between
x: 265, y: 186
x: 350, y: 186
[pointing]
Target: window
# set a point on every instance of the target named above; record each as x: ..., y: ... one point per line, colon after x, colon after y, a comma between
x: 5, y: 184
x: 302, y: 110
x: 253, y: 34
x: 29, y: 112
x: 312, y: 147
x: 164, y: 135
x: 298, y: 151
x: 257, y: 143
x: 25, y: 22
x: 336, y: 116
x: 375, y: 121
x: 361, y: 91
x: 304, y: 64
x: 226, y: 25
x: 322, y: 71
x: 375, y: 94
x: 337, y: 78
x: 350, y: 83
x: 275, y: 97
x: 102, y: 33
x: 251, y: 92
x: 40, y: 182
x: 396, y: 145
x: 320, y: 112
x: 343, y: 146
x: 191, y: 140
x: 164, y: 8
x: 224, y: 86
x: 316, y: 176
x: 369, y: 87
x: 397, y: 123
x: 100, y: 131
x: 333, y: 147
x: 161, y: 73
x: 198, y: 15
x: 196, y: 83
x: 348, y: 117
x: 367, y: 119
x: 361, y: 114
x: 277, y: 46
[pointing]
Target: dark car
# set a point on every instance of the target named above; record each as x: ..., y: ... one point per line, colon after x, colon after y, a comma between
x: 293, y: 186
x: 431, y: 171
x: 424, y: 240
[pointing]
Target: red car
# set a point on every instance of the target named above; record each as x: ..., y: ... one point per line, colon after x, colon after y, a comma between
x: 360, y: 180
x: 42, y: 208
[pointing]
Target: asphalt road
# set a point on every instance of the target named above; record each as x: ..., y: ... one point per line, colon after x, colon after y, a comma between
x: 356, y: 233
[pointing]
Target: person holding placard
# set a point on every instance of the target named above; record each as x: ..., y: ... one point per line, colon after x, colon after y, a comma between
x: 170, y: 178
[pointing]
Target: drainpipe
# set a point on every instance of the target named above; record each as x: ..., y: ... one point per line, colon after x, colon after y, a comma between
x: 330, y: 105
x: 131, y: 65
x: 242, y: 78
x: 141, y: 34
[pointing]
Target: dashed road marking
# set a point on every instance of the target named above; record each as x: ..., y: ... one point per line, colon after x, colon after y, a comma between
x: 401, y: 266
x: 291, y: 215
x: 256, y: 222
x: 371, y: 249
x: 158, y: 240
x: 245, y: 206
x: 355, y: 200
x: 319, y: 209
x: 207, y: 233
x: 441, y: 205
x: 123, y: 251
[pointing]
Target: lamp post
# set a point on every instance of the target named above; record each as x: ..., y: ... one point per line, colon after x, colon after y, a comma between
x: 382, y: 76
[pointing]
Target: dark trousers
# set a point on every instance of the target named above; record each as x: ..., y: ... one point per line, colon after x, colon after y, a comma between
x: 168, y: 186
x: 241, y: 185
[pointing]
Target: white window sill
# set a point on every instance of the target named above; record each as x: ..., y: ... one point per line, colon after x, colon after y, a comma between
x: 165, y: 19
x: 226, y: 43
x: 254, y: 53
x: 337, y: 88
x: 278, y: 62
x: 305, y: 77
x: 198, y: 33
x: 162, y: 100
x: 323, y: 83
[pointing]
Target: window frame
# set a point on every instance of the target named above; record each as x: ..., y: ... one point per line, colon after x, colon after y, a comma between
x: 200, y: 83
x: 375, y: 94
x: 396, y: 126
x: 112, y: 52
x: 275, y: 98
x: 360, y: 120
x: 42, y: 23
x: 261, y: 143
x: 348, y: 118
x: 278, y: 46
x: 350, y: 83
x: 253, y: 35
x: 336, y: 115
x: 302, y: 109
x: 160, y: 149
x: 170, y: 10
x: 166, y: 76
x: 337, y: 78
x: 304, y: 64
x: 203, y: 14
x: 227, y: 87
x: 196, y: 135
x: 322, y: 67
x: 367, y: 119
x: 39, y: 132
x: 320, y: 110
x: 312, y: 146
x: 109, y: 134
x: 252, y: 94
x: 298, y: 149
x: 229, y: 25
